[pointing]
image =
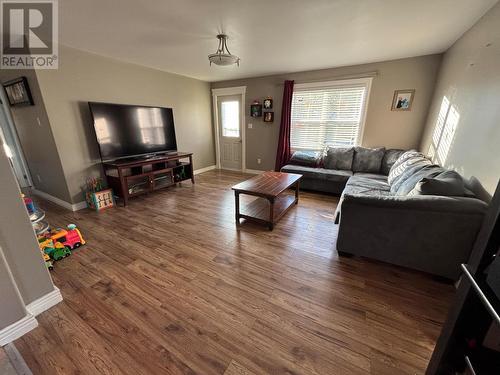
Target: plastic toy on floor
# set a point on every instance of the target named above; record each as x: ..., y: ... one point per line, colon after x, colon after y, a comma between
x: 71, y: 238
x: 48, y: 262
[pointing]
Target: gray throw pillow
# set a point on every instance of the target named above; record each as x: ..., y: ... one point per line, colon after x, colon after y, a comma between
x: 339, y: 158
x: 448, y: 183
x: 367, y: 159
x: 390, y: 157
x: 306, y: 158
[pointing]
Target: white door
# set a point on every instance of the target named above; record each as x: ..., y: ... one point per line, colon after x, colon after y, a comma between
x: 229, y: 110
x: 11, y: 147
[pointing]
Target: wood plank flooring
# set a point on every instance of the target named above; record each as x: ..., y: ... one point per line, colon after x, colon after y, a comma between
x: 169, y: 285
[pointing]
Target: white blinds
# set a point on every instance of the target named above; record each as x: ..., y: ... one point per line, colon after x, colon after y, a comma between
x: 327, y: 116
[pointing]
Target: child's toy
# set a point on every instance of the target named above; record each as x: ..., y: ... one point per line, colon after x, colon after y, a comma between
x: 71, y: 238
x: 96, y: 196
x: 58, y: 252
x: 48, y: 263
x: 30, y: 206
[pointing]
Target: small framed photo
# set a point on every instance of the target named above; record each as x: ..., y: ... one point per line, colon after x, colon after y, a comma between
x: 268, y: 116
x: 402, y: 100
x: 256, y: 110
x: 18, y: 92
x: 268, y: 103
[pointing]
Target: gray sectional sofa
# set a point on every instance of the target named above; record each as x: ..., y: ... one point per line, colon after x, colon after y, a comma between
x: 396, y: 206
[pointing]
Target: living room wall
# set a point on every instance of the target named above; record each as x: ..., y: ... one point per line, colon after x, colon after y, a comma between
x: 383, y: 127
x: 468, y: 88
x: 36, y: 138
x: 84, y: 77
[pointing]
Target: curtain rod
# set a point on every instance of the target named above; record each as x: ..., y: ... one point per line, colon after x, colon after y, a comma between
x: 335, y: 78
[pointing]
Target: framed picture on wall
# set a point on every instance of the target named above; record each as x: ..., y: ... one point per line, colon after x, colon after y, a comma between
x: 268, y: 116
x: 268, y: 103
x: 18, y: 92
x: 402, y: 100
x: 256, y: 110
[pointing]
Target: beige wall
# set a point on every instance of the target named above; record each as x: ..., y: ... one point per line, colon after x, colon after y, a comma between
x: 12, y: 307
x: 470, y: 78
x: 84, y: 77
x: 35, y: 135
x: 18, y: 241
x: 383, y: 127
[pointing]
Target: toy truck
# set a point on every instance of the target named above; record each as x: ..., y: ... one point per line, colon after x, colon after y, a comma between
x: 71, y: 238
x: 57, y: 252
x: 48, y: 263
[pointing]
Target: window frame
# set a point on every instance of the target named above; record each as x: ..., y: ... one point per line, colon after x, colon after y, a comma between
x: 353, y: 82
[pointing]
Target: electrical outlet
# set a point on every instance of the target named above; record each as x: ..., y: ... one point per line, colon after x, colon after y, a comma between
x: 39, y: 178
x: 259, y: 161
x: 250, y: 126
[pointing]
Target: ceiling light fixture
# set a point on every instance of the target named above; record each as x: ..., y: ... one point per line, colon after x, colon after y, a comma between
x: 222, y: 56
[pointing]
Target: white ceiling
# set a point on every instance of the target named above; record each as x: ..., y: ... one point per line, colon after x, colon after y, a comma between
x: 270, y: 36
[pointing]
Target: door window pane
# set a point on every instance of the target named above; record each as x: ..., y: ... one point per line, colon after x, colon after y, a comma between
x: 230, y: 119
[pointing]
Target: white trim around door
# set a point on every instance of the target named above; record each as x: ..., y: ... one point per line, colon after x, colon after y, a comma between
x: 239, y: 90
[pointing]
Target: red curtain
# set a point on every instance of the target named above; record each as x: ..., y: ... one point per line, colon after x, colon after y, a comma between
x: 283, y: 153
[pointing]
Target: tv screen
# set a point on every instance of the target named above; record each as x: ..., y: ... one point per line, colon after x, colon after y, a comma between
x: 129, y: 130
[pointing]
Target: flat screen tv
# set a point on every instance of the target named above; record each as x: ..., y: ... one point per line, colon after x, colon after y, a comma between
x: 125, y: 131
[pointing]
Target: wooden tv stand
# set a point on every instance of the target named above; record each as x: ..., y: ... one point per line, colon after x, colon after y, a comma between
x: 130, y: 178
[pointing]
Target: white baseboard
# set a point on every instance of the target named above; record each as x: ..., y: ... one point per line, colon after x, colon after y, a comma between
x: 17, y: 329
x: 45, y: 302
x: 206, y: 169
x: 60, y: 202
x: 254, y: 171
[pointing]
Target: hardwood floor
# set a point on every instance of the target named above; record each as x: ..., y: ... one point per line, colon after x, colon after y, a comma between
x: 169, y: 285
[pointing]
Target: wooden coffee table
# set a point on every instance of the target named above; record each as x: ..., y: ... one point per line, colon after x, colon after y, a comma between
x: 271, y: 204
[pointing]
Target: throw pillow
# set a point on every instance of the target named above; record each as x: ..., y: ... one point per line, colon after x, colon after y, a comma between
x: 306, y: 158
x: 367, y: 159
x: 448, y: 183
x: 339, y: 158
x: 390, y: 157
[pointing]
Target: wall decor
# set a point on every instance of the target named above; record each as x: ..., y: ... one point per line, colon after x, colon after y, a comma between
x: 256, y: 109
x: 268, y: 103
x: 268, y: 116
x: 18, y: 92
x: 402, y: 100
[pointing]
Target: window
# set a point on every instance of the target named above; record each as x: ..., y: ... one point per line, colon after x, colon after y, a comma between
x: 230, y: 119
x: 328, y: 113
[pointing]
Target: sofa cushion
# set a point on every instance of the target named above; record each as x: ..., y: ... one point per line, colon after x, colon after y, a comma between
x: 367, y: 186
x: 367, y: 159
x: 390, y: 157
x: 375, y: 176
x: 448, y: 183
x: 306, y: 158
x: 339, y: 158
x: 333, y: 175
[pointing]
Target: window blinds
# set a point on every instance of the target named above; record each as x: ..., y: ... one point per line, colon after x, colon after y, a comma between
x: 327, y: 116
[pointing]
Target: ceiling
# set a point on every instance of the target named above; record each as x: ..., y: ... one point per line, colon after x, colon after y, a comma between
x: 270, y: 36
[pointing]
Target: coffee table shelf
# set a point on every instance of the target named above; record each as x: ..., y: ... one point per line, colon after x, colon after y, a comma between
x: 258, y: 210
x: 272, y: 202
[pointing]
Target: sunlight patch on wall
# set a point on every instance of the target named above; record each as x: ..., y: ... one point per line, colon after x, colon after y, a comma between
x: 444, y: 132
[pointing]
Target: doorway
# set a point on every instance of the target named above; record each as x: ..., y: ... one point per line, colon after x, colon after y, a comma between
x: 229, y: 124
x: 11, y: 146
